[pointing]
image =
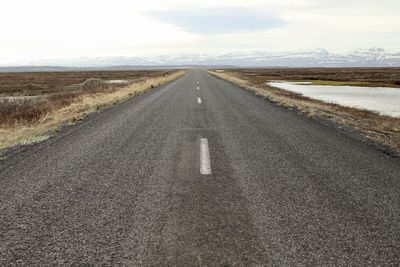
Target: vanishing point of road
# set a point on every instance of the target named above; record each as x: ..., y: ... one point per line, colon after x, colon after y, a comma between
x: 199, y: 172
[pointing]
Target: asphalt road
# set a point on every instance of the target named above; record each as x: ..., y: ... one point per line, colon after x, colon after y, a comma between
x: 213, y: 176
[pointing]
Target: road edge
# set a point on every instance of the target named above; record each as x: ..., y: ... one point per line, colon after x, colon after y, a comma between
x: 349, y: 131
x: 8, y: 151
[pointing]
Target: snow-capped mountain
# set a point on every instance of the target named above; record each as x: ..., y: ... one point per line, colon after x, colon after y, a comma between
x: 374, y: 57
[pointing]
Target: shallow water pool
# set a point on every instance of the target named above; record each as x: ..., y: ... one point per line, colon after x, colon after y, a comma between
x: 384, y: 100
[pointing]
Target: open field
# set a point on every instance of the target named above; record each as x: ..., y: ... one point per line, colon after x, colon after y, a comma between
x: 386, y: 77
x: 383, y: 129
x: 32, y: 104
x: 36, y: 83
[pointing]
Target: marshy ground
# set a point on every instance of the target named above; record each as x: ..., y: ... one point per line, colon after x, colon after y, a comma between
x: 33, y: 103
x: 375, y: 77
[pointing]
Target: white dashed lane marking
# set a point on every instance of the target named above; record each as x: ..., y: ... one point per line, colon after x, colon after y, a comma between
x: 205, y: 165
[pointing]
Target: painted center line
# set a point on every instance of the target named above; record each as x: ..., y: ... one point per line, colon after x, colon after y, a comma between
x: 205, y: 165
x: 199, y: 100
x: 198, y: 87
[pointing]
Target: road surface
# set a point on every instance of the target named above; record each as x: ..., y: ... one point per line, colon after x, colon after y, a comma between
x: 199, y: 172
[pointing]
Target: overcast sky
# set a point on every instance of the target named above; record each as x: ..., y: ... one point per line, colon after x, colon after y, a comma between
x: 45, y: 29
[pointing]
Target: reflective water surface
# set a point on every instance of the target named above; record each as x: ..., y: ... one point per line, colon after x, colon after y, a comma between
x: 384, y: 100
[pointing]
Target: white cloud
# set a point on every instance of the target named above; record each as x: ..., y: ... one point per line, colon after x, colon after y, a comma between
x: 38, y: 29
x: 219, y: 20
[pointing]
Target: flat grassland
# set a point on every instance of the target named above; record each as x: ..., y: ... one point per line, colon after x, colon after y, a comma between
x: 36, y: 83
x: 32, y: 104
x: 384, y: 129
x: 376, y: 77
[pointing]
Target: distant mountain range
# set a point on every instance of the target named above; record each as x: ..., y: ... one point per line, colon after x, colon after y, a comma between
x: 373, y: 57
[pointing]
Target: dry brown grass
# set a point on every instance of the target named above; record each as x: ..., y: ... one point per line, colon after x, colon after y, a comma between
x: 383, y: 129
x: 26, y: 97
x: 27, y: 111
x: 389, y: 77
x: 32, y: 118
x: 40, y: 83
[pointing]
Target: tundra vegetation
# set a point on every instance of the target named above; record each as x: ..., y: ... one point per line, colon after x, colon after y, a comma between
x: 380, y: 128
x: 34, y: 105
